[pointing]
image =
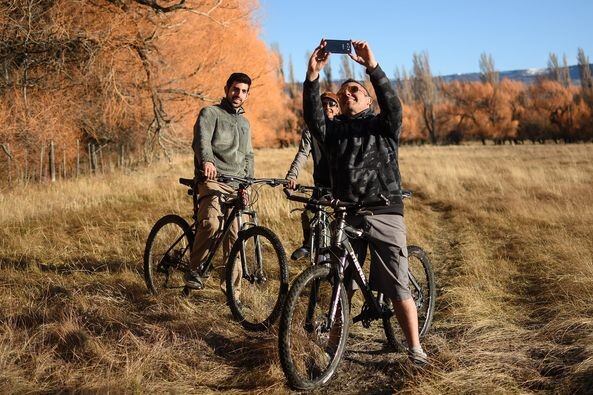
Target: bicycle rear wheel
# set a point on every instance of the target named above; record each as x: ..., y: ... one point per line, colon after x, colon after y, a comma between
x: 423, y: 290
x: 256, y: 290
x: 167, y: 253
x: 310, y: 350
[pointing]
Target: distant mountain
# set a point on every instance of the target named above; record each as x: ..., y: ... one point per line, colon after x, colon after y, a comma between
x: 527, y: 76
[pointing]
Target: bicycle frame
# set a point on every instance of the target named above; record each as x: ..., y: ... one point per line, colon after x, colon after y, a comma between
x: 320, y: 236
x: 341, y: 253
x: 236, y: 214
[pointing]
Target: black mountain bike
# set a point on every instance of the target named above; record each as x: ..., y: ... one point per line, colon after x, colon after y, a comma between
x: 257, y: 298
x: 319, y: 235
x: 316, y: 316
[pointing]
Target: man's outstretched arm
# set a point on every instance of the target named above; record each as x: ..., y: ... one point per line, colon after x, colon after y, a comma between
x: 312, y: 109
x: 391, y: 109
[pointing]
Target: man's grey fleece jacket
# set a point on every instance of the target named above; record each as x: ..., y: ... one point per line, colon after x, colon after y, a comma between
x: 222, y: 136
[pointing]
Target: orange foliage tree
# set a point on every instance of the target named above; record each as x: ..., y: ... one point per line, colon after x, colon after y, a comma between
x: 127, y: 73
x: 553, y: 111
x: 484, y: 110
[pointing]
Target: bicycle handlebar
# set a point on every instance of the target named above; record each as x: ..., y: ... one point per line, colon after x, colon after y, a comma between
x: 246, y: 181
x: 336, y: 203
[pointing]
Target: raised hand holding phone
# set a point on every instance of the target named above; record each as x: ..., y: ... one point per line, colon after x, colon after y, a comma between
x: 317, y: 61
x: 363, y: 54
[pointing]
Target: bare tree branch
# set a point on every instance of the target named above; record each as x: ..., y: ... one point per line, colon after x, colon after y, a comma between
x: 183, y: 92
x: 6, y: 151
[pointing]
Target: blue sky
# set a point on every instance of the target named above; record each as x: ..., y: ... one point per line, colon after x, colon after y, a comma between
x: 518, y: 34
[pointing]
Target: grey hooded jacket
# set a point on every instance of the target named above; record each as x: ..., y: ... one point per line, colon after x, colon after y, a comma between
x: 222, y: 136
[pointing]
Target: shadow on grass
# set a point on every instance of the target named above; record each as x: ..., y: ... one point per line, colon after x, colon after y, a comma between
x: 252, y: 353
x: 77, y: 264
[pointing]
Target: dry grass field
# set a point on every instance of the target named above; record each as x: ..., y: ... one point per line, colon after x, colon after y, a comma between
x: 509, y: 231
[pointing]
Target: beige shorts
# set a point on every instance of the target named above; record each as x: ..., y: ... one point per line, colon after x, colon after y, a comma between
x: 386, y: 241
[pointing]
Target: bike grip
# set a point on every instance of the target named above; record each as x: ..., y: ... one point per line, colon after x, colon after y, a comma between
x: 290, y: 196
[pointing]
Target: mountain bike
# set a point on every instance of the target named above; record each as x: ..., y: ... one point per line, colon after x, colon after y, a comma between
x: 319, y: 234
x: 316, y: 316
x: 255, y: 301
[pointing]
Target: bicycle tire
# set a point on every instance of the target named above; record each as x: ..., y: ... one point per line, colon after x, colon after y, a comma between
x: 256, y: 298
x: 418, y: 266
x: 167, y: 253
x: 308, y: 356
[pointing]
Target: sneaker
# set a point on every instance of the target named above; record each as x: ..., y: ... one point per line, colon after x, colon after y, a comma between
x: 417, y: 356
x: 299, y: 253
x: 193, y: 280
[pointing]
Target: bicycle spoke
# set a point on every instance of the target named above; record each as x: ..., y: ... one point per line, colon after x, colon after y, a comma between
x: 310, y: 349
x: 257, y: 278
x: 167, y: 253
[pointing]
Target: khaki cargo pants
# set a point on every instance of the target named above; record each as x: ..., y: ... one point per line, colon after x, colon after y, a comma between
x: 210, y: 218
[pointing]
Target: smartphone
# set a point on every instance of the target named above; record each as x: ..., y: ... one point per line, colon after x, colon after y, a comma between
x: 338, y: 46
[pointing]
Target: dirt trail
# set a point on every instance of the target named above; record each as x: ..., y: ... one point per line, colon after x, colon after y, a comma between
x: 370, y: 366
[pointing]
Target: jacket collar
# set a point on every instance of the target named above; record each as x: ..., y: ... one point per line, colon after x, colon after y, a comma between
x: 363, y: 114
x: 224, y: 103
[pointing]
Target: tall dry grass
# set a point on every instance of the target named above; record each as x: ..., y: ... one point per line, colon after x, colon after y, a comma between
x: 509, y: 231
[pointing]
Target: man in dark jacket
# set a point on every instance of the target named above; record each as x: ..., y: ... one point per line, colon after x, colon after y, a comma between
x: 362, y: 150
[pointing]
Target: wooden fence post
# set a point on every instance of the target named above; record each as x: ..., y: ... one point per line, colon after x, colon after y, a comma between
x: 52, y: 161
x: 77, y: 158
x: 101, y: 164
x: 123, y: 156
x: 9, y: 154
x: 26, y: 172
x: 64, y: 161
x: 6, y: 149
x: 90, y: 154
x: 94, y: 157
x: 42, y: 152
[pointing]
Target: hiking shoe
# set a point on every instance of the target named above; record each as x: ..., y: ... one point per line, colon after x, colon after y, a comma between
x: 193, y: 280
x: 299, y: 253
x: 417, y: 356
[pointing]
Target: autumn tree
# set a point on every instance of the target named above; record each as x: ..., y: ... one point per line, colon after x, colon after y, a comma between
x: 426, y: 94
x: 488, y: 72
x: 555, y: 112
x: 126, y: 72
x: 346, y: 71
x: 586, y: 79
x: 484, y: 111
x: 328, y: 77
x: 403, y: 85
x: 558, y: 72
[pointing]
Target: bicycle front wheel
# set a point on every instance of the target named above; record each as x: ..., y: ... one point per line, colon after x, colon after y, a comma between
x: 256, y: 278
x: 423, y: 288
x: 310, y: 346
x: 167, y: 253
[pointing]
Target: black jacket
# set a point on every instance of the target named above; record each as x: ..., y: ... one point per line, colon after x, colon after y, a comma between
x: 309, y: 145
x: 361, y: 150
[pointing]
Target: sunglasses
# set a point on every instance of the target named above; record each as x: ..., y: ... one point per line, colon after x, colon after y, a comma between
x: 352, y: 89
x: 329, y: 103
